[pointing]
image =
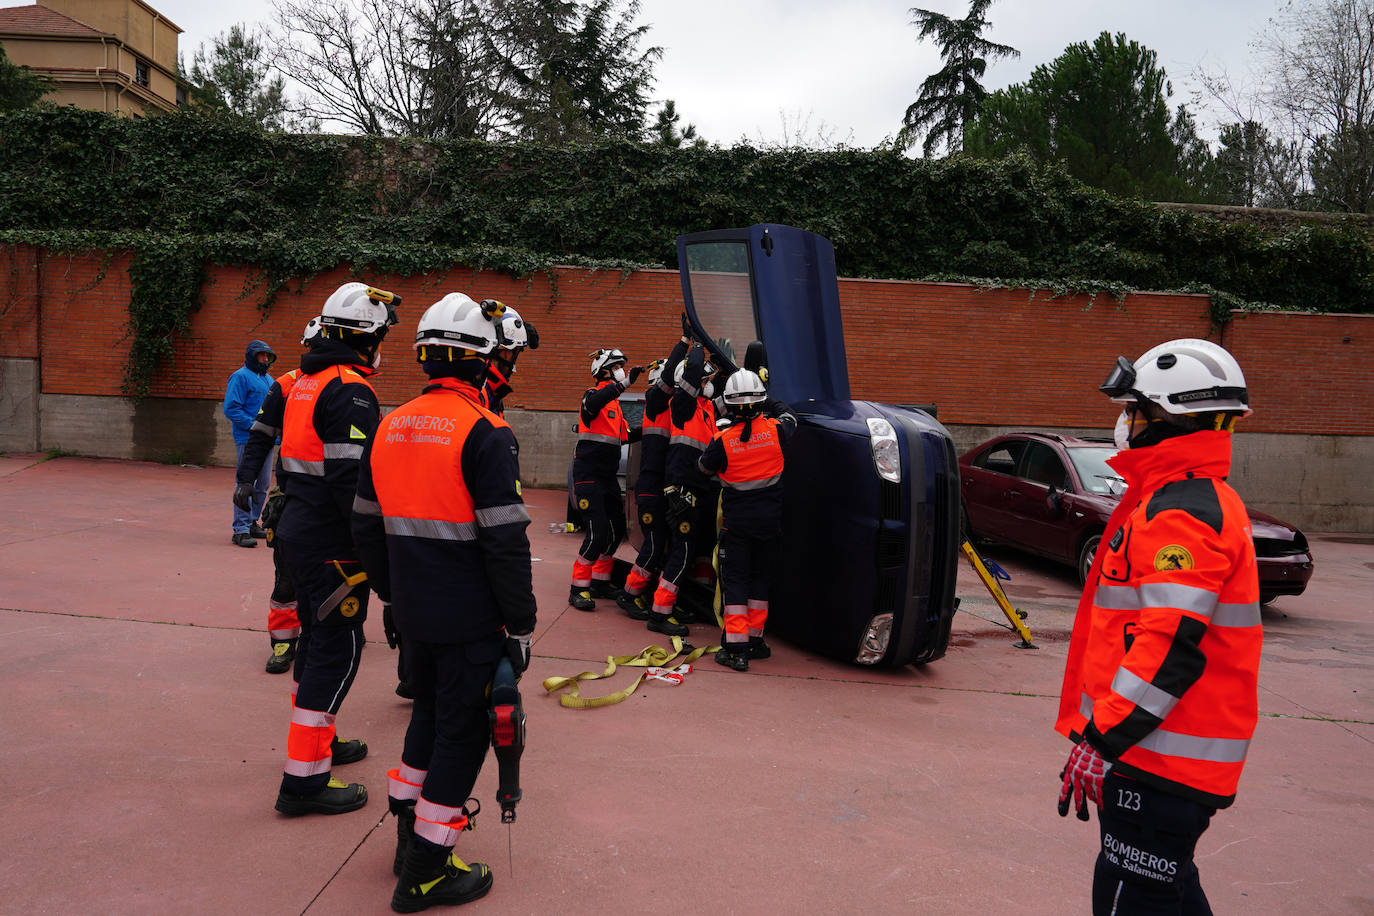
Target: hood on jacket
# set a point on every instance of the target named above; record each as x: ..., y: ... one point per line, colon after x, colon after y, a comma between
x: 326, y: 351
x: 250, y: 356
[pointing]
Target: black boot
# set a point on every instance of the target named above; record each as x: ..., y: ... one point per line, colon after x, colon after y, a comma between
x: 346, y: 752
x: 665, y: 624
x: 435, y: 876
x: 405, y: 831
x: 758, y: 648
x: 581, y: 598
x: 604, y: 589
x: 335, y: 798
x: 636, y: 607
x: 734, y: 655
x: 282, y: 657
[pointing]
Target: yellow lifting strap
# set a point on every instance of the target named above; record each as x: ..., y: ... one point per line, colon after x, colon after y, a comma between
x: 1016, y: 617
x: 650, y: 657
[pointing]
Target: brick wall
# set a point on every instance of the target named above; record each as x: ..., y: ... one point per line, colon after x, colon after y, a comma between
x: 984, y: 357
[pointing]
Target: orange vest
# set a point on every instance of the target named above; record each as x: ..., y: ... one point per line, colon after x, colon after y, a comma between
x: 287, y: 380
x: 699, y: 429
x: 608, y: 426
x: 757, y: 463
x: 417, y: 463
x: 302, y: 451
x: 1168, y: 629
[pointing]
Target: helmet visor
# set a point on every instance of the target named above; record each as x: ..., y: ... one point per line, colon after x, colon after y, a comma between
x: 1120, y: 380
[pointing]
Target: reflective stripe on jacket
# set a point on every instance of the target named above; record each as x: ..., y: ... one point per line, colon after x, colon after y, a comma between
x: 303, y: 451
x: 601, y: 428
x: 1163, y: 665
x: 687, y: 441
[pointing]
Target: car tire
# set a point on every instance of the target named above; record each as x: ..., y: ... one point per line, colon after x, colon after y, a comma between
x: 1085, y: 556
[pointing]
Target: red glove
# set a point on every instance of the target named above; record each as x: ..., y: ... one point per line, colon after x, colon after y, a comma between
x: 1083, y: 776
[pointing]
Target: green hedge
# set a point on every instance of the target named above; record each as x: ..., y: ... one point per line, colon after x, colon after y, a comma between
x: 188, y: 188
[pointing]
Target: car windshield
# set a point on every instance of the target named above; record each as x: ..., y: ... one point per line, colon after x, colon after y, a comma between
x: 1097, y: 477
x: 718, y: 273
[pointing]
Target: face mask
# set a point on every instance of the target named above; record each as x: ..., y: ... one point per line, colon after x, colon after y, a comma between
x: 1121, y: 435
x: 708, y: 390
x: 377, y: 360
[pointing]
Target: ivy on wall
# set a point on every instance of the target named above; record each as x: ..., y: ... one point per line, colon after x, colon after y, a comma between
x: 187, y: 189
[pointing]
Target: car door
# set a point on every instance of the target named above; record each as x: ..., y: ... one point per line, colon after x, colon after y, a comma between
x: 991, y: 476
x: 1037, y: 524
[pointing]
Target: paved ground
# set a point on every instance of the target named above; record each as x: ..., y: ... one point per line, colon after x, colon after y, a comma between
x: 142, y: 744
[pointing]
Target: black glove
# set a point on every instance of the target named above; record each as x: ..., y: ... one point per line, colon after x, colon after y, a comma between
x: 518, y: 648
x: 635, y: 372
x: 272, y: 510
x: 243, y: 497
x: 393, y: 639
x: 686, y: 327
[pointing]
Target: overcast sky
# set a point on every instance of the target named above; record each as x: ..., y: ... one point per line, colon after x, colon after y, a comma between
x: 757, y: 69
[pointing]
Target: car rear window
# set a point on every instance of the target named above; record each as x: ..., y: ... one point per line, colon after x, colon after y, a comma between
x: 1097, y: 477
x: 1002, y: 457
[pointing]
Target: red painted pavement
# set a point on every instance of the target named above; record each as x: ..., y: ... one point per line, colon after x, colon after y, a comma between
x: 142, y: 744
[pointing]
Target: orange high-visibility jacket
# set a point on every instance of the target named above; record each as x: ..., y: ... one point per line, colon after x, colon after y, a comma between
x: 439, y: 521
x: 1162, y: 673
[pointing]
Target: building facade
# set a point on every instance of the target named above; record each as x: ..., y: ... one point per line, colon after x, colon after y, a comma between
x: 118, y: 56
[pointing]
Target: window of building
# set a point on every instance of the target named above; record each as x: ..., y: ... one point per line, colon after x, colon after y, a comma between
x: 141, y: 73
x: 181, y: 95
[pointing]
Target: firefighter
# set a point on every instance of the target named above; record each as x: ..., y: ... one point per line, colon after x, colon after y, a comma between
x: 283, y: 626
x: 748, y: 457
x: 331, y: 414
x: 686, y: 494
x: 601, y: 430
x: 655, y: 431
x: 441, y: 529
x: 514, y: 334
x: 1160, y: 686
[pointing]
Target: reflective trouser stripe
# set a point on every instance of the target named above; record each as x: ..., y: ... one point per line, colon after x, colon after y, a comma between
x: 1184, y: 746
x: 582, y: 573
x: 638, y: 579
x: 736, y: 623
x: 282, y: 622
x: 439, y: 824
x: 307, y: 742
x: 758, y: 616
x: 404, y: 783
x: 601, y: 570
x: 1130, y: 686
x: 664, y: 596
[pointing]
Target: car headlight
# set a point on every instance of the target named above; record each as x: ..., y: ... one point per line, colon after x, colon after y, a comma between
x: 873, y: 646
x: 887, y: 457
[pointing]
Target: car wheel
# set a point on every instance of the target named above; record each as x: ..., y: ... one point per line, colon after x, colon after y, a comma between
x: 1085, y: 557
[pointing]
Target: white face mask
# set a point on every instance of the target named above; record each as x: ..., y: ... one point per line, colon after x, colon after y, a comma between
x: 377, y: 359
x: 708, y: 390
x: 1121, y: 435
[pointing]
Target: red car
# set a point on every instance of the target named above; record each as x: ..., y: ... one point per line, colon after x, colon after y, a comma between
x: 1052, y: 495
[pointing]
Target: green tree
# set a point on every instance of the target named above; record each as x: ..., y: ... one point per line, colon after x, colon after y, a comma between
x: 19, y: 87
x: 665, y: 130
x: 951, y: 98
x: 1102, y: 110
x: 233, y: 75
x: 1253, y: 169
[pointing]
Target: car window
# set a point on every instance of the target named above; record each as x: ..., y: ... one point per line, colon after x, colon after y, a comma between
x: 1092, y: 468
x: 633, y: 408
x: 1001, y: 458
x: 1041, y: 465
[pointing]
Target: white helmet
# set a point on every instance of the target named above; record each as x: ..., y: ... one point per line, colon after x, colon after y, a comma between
x: 1185, y: 376
x: 744, y: 387
x: 361, y: 309
x: 656, y: 371
x: 511, y: 330
x: 457, y: 321
x: 606, y: 359
x: 312, y: 330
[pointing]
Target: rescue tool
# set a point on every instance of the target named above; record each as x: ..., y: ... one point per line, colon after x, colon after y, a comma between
x: 1017, y: 617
